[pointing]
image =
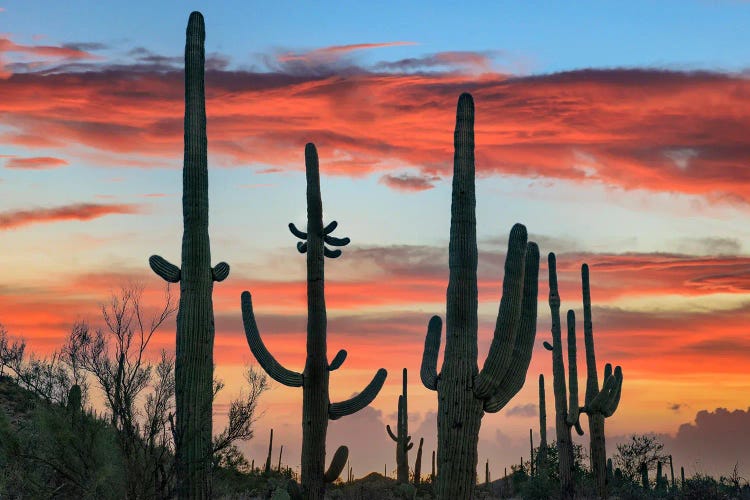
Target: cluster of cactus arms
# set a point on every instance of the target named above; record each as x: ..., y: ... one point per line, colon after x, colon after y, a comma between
x: 600, y: 404
x: 195, y: 319
x: 541, y: 458
x: 316, y: 406
x: 566, y: 413
x: 418, y: 463
x: 402, y: 437
x: 464, y: 392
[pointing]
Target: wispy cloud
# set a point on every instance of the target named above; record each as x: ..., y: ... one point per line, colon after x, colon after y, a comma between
x: 35, y: 163
x: 336, y: 51
x: 78, y: 211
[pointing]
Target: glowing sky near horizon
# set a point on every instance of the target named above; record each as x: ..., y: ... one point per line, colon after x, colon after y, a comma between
x: 617, y: 133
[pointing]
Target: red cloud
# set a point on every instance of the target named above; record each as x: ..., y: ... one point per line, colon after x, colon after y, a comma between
x: 650, y: 129
x: 35, y: 163
x: 78, y: 211
x: 65, y: 52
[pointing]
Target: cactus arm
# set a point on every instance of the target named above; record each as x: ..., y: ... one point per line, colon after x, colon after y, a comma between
x: 302, y: 246
x: 337, y: 464
x: 331, y: 254
x: 338, y: 360
x: 409, y: 446
x: 428, y: 371
x: 364, y: 398
x: 220, y: 271
x: 336, y: 242
x: 296, y: 232
x: 506, y: 327
x: 547, y: 345
x: 330, y: 227
x: 519, y: 364
x: 573, y: 408
x: 265, y: 358
x: 390, y: 433
x: 165, y: 269
x: 577, y: 427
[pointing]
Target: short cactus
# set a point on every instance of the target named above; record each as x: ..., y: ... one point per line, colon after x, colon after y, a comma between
x: 418, y: 463
x: 270, y: 451
x: 600, y: 404
x: 464, y: 392
x: 316, y: 406
x: 402, y: 437
x: 541, y: 458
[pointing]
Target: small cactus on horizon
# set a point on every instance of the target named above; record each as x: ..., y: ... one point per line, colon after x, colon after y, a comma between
x: 418, y: 464
x: 541, y: 465
x: 402, y: 437
x: 316, y: 406
x: 270, y: 451
x: 465, y: 393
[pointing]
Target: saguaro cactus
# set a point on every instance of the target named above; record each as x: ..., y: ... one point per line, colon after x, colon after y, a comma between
x: 433, y: 475
x: 194, y: 365
x: 531, y: 454
x: 464, y: 392
x: 600, y: 404
x: 418, y: 464
x: 270, y: 452
x: 541, y: 466
x: 316, y: 406
x: 566, y: 414
x: 402, y: 437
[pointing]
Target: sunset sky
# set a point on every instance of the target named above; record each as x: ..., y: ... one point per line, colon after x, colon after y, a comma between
x: 618, y: 133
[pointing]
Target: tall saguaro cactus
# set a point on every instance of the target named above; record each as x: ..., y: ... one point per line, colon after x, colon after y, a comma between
x: 465, y: 392
x: 600, y: 404
x: 316, y: 406
x: 566, y: 415
x: 402, y: 437
x: 195, y: 319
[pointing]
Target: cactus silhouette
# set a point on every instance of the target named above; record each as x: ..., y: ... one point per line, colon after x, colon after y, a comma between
x: 418, y: 464
x: 599, y: 404
x: 402, y: 437
x: 464, y: 392
x: 566, y: 415
x: 194, y: 364
x: 270, y: 452
x: 541, y: 458
x: 316, y: 406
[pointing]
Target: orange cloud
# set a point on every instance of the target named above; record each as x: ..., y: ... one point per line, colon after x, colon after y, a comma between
x: 35, y: 163
x: 77, y: 211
